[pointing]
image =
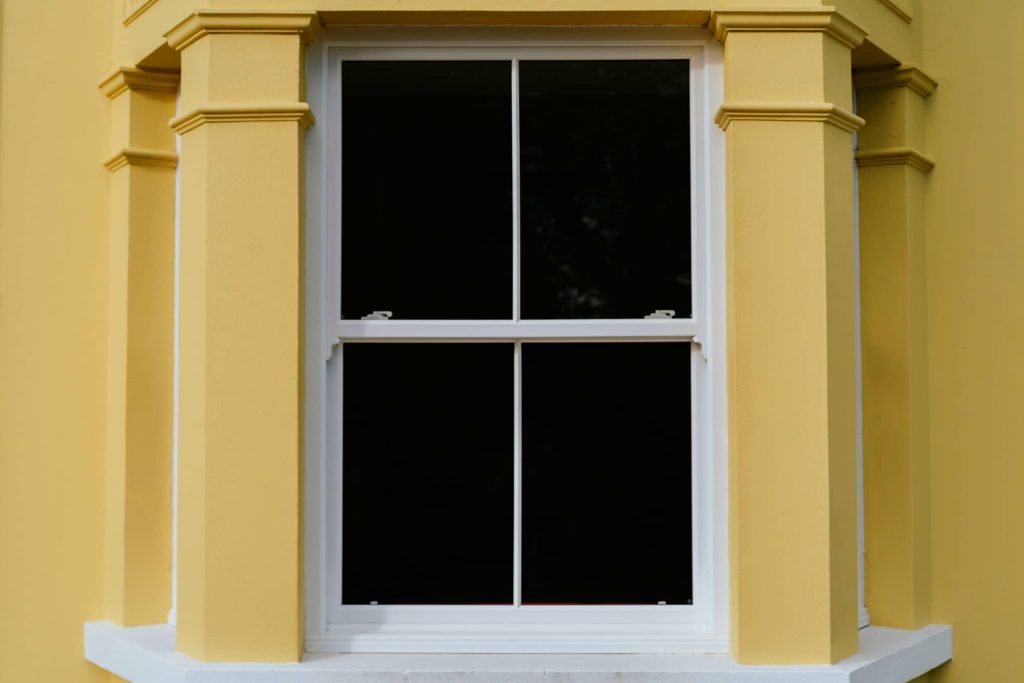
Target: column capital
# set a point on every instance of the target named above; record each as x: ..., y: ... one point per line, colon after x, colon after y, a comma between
x: 889, y: 77
x: 823, y: 112
x: 806, y: 20
x: 140, y: 100
x: 892, y: 99
x: 208, y: 22
x: 238, y: 113
x: 130, y: 78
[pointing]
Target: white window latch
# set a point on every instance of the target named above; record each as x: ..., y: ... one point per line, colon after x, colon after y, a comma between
x: 379, y: 315
x: 661, y: 313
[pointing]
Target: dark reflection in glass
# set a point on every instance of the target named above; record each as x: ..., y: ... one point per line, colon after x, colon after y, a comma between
x: 605, y: 172
x: 606, y: 473
x: 427, y: 474
x: 426, y: 189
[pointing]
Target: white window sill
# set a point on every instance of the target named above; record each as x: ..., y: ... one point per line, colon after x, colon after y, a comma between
x: 146, y: 654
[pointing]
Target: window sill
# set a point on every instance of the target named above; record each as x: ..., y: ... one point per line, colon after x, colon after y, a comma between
x: 146, y: 654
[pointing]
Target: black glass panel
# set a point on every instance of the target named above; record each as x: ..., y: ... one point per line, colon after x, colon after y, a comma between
x: 426, y: 189
x: 427, y: 483
x: 606, y: 474
x: 605, y: 172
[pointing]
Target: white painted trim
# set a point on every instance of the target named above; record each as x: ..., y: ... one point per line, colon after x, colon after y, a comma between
x: 863, y: 618
x: 507, y: 330
x: 517, y: 478
x: 516, y: 208
x: 172, y: 614
x: 317, y: 302
x: 702, y: 627
x: 146, y: 654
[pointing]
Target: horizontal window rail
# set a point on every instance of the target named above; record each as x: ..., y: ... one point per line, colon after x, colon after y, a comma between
x: 663, y: 329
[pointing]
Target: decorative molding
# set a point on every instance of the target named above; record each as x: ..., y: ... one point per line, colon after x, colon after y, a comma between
x: 897, y: 10
x: 238, y: 113
x: 135, y: 156
x: 886, y: 77
x: 130, y: 78
x: 210, y: 22
x: 895, y: 156
x: 821, y: 20
x: 133, y: 8
x: 824, y: 112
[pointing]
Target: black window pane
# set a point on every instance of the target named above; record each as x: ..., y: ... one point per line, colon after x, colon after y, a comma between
x: 427, y: 497
x: 605, y: 172
x: 426, y: 189
x: 606, y: 474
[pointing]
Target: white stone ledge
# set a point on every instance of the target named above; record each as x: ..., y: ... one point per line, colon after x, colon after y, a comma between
x: 146, y: 654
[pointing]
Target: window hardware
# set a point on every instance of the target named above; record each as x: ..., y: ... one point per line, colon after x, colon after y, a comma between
x: 700, y: 345
x: 332, y: 347
x: 379, y: 315
x: 661, y: 313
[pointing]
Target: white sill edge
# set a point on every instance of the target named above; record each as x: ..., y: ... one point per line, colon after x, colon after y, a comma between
x: 146, y: 654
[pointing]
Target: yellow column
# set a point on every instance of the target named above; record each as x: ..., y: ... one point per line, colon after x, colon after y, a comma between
x: 241, y: 331
x: 140, y: 331
x: 792, y: 456
x: 893, y: 172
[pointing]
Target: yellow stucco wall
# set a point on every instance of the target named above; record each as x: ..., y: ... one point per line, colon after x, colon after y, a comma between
x: 975, y: 243
x: 54, y: 191
x: 53, y: 218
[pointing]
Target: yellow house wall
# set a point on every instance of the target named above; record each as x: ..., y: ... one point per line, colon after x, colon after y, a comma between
x: 975, y: 243
x: 54, y: 193
x: 53, y: 227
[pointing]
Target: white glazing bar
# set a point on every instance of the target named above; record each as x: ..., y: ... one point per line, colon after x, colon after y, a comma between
x: 515, y: 188
x: 336, y: 442
x: 517, y: 444
x: 517, y: 480
x: 666, y: 329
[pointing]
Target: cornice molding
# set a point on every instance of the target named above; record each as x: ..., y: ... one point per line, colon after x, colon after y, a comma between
x: 887, y: 77
x: 238, y: 113
x: 895, y: 156
x: 813, y: 20
x: 824, y: 112
x: 129, y: 78
x: 897, y: 10
x: 135, y: 9
x: 211, y: 22
x: 136, y: 156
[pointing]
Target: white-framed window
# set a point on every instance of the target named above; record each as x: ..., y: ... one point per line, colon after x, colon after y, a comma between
x: 515, y: 377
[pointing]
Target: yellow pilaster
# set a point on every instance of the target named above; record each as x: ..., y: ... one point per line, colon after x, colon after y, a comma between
x: 793, y: 512
x: 140, y: 307
x: 892, y: 174
x: 241, y: 328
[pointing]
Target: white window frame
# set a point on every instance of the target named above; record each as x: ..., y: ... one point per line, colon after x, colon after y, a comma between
x: 333, y: 627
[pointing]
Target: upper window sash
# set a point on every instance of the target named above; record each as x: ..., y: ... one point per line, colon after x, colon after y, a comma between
x: 680, y: 328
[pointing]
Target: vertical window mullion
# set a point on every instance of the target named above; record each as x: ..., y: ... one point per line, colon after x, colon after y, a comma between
x: 515, y: 188
x: 517, y: 478
x: 517, y: 539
